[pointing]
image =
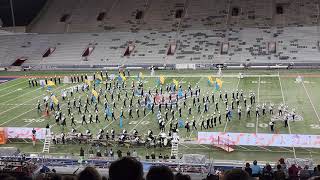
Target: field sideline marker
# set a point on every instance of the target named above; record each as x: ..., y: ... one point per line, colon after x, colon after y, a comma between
x: 225, y: 127
x: 3, y: 84
x: 294, y: 150
x: 257, y: 121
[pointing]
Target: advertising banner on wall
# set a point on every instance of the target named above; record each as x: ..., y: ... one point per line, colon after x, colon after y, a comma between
x: 261, y: 139
x: 25, y: 133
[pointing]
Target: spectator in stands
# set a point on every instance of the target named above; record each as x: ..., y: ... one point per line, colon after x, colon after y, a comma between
x: 180, y: 176
x: 248, y: 169
x: 293, y: 172
x: 282, y: 164
x: 212, y: 177
x: 279, y: 174
x: 316, y: 171
x: 133, y: 169
x: 160, y: 156
x: 6, y: 177
x: 128, y: 153
x: 256, y: 170
x: 68, y: 177
x: 305, y: 173
x: 235, y: 174
x: 267, y: 173
x: 89, y: 173
x: 56, y: 177
x: 160, y: 173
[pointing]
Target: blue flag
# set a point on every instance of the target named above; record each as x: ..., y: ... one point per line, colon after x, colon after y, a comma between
x: 98, y: 81
x: 180, y: 93
x: 217, y: 86
x: 120, y: 125
x: 180, y: 123
x: 108, y: 111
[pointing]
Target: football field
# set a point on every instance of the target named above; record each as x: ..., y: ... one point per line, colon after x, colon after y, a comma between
x: 18, y: 108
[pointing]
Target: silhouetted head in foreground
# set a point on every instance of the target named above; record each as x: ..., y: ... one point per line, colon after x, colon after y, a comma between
x: 126, y: 168
x: 236, y: 174
x: 160, y: 173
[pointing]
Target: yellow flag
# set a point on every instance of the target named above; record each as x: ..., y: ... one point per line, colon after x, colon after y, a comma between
x: 175, y: 82
x: 219, y: 82
x: 140, y: 75
x: 162, y: 79
x: 94, y: 93
x: 99, y: 77
x: 54, y: 99
x: 210, y: 78
x: 87, y: 82
x: 123, y: 77
x: 50, y: 83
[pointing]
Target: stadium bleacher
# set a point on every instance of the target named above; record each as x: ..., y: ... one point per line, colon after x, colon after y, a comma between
x: 247, y: 27
x: 89, y: 34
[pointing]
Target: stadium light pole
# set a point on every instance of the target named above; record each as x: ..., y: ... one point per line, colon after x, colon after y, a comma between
x: 12, y: 14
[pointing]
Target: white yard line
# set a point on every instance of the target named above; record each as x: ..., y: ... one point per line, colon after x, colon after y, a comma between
x: 206, y: 75
x: 203, y: 146
x: 181, y: 102
x: 19, y: 89
x: 21, y: 95
x: 314, y: 109
x: 26, y: 111
x: 184, y: 145
x: 7, y: 87
x: 22, y: 103
x: 226, y: 125
x: 257, y: 121
x: 112, y: 121
x: 283, y: 100
x: 201, y: 113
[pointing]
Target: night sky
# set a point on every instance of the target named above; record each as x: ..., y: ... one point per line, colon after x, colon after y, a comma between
x: 25, y: 11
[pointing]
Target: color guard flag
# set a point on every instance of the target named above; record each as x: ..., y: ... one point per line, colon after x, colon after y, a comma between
x: 210, y: 80
x: 162, y: 79
x: 94, y: 93
x: 122, y: 77
x: 219, y: 82
x: 108, y: 111
x: 140, y: 75
x: 175, y: 82
x: 180, y: 123
x: 98, y: 79
x: 54, y: 99
x: 50, y: 83
x: 120, y: 125
x: 87, y: 82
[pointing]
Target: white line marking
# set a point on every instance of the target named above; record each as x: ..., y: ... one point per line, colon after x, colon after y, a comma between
x: 257, y: 121
x: 315, y: 111
x: 225, y: 127
x: 19, y: 89
x: 23, y: 103
x: 7, y: 87
x: 26, y: 111
x: 283, y: 100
